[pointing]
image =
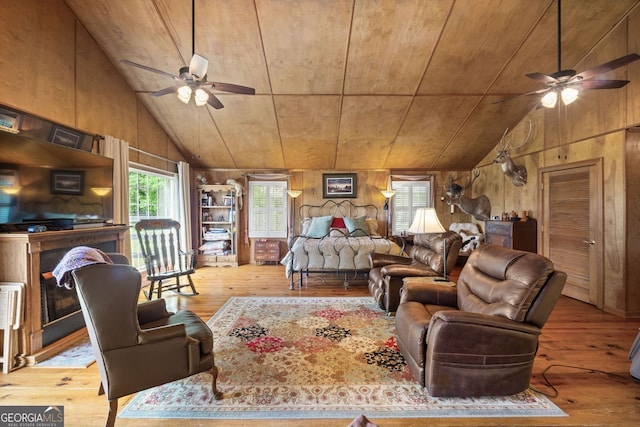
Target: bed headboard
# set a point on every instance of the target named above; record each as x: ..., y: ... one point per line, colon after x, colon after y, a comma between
x: 341, y: 209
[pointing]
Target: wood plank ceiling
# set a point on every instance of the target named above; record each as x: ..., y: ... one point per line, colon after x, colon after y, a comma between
x: 348, y: 84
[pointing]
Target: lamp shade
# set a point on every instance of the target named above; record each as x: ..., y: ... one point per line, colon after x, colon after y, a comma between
x: 101, y: 191
x: 294, y: 193
x: 426, y: 221
x: 388, y: 193
x: 550, y: 99
x: 12, y: 190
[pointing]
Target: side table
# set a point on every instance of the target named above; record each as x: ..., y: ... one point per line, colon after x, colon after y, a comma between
x: 403, y: 241
x: 435, y: 280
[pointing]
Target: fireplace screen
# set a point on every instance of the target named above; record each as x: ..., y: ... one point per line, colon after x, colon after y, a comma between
x: 57, y: 302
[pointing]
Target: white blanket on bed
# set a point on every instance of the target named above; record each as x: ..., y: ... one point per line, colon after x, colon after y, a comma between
x: 332, y: 254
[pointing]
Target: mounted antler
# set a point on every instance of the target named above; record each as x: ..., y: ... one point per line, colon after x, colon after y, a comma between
x: 479, y: 207
x: 517, y: 173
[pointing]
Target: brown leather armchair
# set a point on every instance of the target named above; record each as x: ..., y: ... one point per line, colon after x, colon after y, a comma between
x: 479, y: 338
x: 425, y: 259
x: 131, y: 357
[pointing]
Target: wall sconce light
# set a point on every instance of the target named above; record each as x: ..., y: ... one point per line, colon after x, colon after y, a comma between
x: 294, y: 194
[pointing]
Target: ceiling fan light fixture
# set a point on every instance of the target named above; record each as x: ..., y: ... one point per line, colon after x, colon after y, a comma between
x: 201, y: 97
x: 569, y: 94
x: 550, y: 99
x: 184, y: 94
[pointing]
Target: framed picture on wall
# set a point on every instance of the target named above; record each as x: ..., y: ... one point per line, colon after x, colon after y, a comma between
x: 65, y: 137
x: 339, y: 185
x: 67, y: 182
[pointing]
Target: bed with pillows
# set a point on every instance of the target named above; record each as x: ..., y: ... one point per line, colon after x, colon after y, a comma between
x: 336, y: 237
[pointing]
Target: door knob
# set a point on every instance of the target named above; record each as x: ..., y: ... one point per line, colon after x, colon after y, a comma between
x: 589, y: 242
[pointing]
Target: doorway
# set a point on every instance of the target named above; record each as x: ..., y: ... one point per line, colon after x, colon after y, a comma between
x: 572, y: 229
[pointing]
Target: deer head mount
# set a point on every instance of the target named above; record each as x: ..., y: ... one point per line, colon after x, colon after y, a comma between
x: 517, y: 173
x: 479, y: 208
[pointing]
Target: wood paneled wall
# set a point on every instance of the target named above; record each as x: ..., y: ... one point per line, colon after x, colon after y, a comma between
x: 591, y: 128
x: 310, y: 182
x: 59, y: 73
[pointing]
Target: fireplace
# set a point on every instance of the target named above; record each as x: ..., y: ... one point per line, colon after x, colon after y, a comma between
x: 59, y: 306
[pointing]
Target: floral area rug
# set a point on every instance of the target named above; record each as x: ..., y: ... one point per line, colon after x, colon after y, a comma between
x: 313, y: 358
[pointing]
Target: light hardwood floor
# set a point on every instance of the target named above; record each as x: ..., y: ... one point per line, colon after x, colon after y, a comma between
x: 577, y: 340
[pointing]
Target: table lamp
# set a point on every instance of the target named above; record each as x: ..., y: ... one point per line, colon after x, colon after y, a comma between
x: 426, y: 222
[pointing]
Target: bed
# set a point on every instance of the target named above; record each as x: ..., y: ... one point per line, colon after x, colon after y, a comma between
x: 336, y: 237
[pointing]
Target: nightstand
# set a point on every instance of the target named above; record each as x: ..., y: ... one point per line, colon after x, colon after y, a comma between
x: 266, y: 251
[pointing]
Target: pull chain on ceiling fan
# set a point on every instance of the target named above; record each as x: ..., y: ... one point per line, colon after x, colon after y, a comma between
x: 193, y: 79
x: 568, y: 84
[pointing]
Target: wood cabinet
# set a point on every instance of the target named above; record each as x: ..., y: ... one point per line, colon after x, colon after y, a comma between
x: 520, y: 235
x: 266, y: 251
x: 25, y: 258
x: 218, y: 235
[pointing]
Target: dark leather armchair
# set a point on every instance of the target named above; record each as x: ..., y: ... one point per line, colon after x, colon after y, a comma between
x: 479, y: 338
x: 138, y: 346
x: 425, y: 259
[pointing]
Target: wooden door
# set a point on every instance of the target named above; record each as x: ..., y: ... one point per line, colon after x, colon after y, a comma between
x: 572, y: 227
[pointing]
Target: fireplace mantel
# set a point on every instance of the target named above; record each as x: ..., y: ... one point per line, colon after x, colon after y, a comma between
x: 22, y: 260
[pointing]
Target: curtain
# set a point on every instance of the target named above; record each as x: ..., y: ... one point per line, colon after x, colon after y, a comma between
x: 184, y: 208
x: 405, y: 178
x: 118, y: 150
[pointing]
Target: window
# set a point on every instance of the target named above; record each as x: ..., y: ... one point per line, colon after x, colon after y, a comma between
x: 8, y: 202
x: 151, y: 195
x: 410, y: 195
x: 267, y: 209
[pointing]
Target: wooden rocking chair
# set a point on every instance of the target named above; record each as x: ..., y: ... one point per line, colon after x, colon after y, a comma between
x: 163, y: 258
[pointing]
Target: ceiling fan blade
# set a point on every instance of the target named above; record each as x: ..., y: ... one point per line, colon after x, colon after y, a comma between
x: 213, y: 101
x: 603, y: 84
x: 607, y: 66
x: 535, y: 92
x: 153, y: 70
x: 198, y: 66
x: 542, y: 77
x: 165, y: 91
x: 228, y: 87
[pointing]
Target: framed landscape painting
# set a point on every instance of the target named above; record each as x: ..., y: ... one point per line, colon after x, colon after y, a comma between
x: 65, y: 137
x: 339, y: 185
x: 67, y: 182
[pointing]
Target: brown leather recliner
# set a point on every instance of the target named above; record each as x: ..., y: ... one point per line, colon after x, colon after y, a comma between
x: 131, y: 357
x: 479, y: 338
x: 425, y: 259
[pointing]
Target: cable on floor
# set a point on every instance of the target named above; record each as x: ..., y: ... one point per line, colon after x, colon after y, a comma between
x: 555, y: 390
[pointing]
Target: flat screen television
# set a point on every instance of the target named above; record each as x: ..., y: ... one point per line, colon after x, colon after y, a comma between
x: 49, y: 182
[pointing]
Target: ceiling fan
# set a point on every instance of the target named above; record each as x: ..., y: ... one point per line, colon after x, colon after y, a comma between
x: 193, y: 79
x: 568, y: 83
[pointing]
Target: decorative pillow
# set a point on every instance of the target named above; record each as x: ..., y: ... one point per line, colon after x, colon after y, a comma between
x: 357, y: 226
x: 338, y: 223
x: 305, y: 224
x: 372, y: 224
x: 320, y: 226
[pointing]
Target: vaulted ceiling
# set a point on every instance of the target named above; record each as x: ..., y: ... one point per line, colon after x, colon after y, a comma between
x: 349, y: 84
